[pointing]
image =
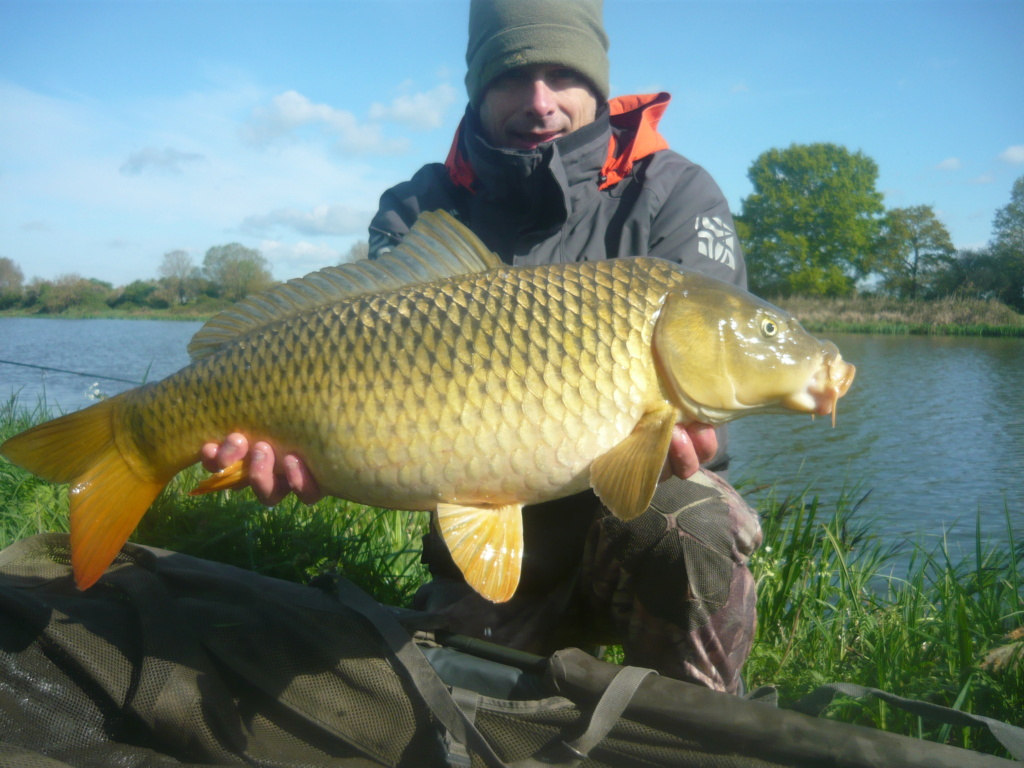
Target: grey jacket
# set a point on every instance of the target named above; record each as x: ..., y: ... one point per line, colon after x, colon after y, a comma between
x: 610, y: 189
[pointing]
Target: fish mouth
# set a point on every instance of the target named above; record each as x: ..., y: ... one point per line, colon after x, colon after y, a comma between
x: 830, y: 381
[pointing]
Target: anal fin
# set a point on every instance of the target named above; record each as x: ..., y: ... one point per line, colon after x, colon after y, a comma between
x: 486, y: 544
x: 626, y: 476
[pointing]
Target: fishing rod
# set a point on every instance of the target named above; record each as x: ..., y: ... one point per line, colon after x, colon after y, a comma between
x: 74, y: 373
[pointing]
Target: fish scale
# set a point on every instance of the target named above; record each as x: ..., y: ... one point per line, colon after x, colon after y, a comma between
x: 474, y: 393
x: 431, y: 383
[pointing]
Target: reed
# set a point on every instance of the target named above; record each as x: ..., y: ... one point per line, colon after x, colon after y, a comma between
x: 952, y: 315
x: 836, y: 601
x: 863, y: 313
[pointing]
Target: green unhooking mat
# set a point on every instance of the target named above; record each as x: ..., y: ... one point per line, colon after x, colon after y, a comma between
x: 174, y: 661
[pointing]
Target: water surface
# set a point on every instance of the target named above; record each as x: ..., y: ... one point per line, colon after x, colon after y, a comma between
x: 933, y: 428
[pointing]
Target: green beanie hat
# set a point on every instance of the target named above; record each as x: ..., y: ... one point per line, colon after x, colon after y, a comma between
x: 506, y: 34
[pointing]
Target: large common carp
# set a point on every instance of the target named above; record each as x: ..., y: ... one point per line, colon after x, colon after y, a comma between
x: 438, y: 378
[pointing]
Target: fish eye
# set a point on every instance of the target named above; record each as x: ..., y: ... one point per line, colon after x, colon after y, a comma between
x: 769, y: 327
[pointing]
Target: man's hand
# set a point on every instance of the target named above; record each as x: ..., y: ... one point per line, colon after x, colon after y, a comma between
x: 691, y: 444
x: 270, y: 486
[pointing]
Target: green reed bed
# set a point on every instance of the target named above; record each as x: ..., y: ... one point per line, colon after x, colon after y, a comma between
x: 836, y: 601
x: 949, y: 316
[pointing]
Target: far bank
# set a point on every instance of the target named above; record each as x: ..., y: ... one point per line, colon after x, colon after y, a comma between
x: 950, y: 316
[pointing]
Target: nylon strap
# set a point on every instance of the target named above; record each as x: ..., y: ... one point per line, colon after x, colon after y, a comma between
x: 1010, y: 736
x: 457, y: 712
x: 456, y: 754
x: 609, y: 709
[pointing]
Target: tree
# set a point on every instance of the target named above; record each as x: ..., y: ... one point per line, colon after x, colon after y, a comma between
x: 236, y: 270
x: 73, y: 290
x: 812, y: 221
x: 11, y: 279
x: 11, y: 276
x: 360, y: 250
x: 1008, y: 225
x: 136, y: 292
x: 1008, y: 247
x: 179, y: 276
x: 913, y: 247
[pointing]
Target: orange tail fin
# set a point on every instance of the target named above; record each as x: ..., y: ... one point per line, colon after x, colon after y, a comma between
x: 108, y: 494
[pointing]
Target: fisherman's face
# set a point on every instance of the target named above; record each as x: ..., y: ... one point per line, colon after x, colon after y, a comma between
x: 529, y: 106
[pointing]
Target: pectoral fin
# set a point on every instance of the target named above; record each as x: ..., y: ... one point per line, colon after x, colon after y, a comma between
x: 487, y: 545
x: 625, y: 477
x: 233, y: 477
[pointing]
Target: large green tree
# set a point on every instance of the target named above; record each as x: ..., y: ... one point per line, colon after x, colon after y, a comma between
x: 236, y: 270
x: 812, y: 222
x: 914, y: 246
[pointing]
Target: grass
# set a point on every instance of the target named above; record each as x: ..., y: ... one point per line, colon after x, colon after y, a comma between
x: 836, y: 602
x: 951, y: 316
x: 378, y: 549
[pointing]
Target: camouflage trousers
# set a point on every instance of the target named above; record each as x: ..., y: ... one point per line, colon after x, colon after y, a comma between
x: 671, y: 587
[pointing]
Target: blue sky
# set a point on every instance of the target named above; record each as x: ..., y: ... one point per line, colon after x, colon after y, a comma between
x: 130, y: 129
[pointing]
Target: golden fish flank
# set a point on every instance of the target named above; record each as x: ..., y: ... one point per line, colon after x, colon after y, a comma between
x: 437, y: 378
x: 461, y: 405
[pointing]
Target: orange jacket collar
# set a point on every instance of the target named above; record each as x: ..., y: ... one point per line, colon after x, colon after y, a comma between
x: 638, y: 115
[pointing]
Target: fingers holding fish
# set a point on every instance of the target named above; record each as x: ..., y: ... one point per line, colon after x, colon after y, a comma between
x: 269, y: 479
x: 691, y: 444
x: 300, y: 480
x: 219, y: 456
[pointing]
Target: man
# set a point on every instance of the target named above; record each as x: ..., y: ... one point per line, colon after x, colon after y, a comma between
x: 545, y: 169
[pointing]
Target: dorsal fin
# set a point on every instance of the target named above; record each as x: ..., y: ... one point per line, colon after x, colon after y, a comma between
x: 437, y: 246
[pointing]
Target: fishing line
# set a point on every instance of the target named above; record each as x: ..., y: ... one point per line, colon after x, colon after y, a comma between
x: 73, y: 373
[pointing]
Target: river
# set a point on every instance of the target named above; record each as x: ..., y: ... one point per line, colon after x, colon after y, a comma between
x: 932, y: 428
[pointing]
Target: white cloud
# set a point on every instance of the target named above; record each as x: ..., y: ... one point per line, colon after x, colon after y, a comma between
x: 87, y: 184
x: 321, y: 220
x: 985, y: 178
x: 950, y: 164
x: 290, y: 112
x: 289, y: 260
x: 421, y: 111
x: 1013, y: 154
x: 166, y: 160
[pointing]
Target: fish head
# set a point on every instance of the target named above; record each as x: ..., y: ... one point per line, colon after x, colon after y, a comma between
x: 722, y: 353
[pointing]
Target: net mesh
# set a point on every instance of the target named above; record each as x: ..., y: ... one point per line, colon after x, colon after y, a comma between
x: 173, y: 661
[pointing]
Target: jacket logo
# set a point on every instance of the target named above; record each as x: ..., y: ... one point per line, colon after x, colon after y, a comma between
x: 716, y: 240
